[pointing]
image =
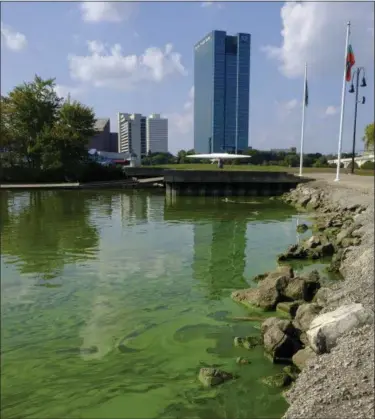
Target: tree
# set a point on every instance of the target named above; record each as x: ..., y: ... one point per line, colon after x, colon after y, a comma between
x: 291, y: 160
x: 39, y: 130
x: 181, y: 156
x: 321, y: 162
x: 26, y: 112
x: 369, y: 137
x: 64, y: 143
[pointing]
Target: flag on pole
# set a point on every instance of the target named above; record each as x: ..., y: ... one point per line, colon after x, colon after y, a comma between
x: 306, y: 93
x: 350, y: 61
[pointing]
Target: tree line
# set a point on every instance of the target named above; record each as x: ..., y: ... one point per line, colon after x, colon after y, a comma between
x: 267, y: 158
x: 258, y: 157
x: 44, y: 137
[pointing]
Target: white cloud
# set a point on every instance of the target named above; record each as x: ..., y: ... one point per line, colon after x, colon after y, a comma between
x: 63, y: 91
x: 315, y: 32
x: 15, y: 41
x: 290, y: 105
x: 331, y: 110
x: 284, y: 109
x: 182, y: 122
x: 109, y: 67
x: 101, y: 11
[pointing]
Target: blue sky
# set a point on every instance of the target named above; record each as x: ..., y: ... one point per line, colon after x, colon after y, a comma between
x: 138, y: 57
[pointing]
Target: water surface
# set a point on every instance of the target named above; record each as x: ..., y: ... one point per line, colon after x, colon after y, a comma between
x: 112, y: 301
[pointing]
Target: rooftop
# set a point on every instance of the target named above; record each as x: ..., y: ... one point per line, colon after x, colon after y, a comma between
x: 101, y: 123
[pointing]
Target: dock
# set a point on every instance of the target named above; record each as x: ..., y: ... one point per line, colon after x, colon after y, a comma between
x: 229, y: 183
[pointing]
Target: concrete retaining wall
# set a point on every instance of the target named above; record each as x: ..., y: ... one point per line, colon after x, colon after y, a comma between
x: 226, y: 183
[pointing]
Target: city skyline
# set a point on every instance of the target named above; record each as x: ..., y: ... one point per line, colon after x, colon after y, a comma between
x: 222, y: 87
x: 116, y: 56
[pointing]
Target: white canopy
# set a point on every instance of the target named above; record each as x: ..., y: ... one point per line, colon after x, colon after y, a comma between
x: 216, y: 156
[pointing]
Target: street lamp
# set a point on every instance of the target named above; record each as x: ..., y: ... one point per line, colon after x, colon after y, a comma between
x: 356, y: 74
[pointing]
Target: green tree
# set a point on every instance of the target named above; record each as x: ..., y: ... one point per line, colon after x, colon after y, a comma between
x: 369, y: 137
x: 64, y: 143
x: 40, y: 131
x: 291, y: 160
x: 321, y: 162
x: 26, y: 112
x: 181, y: 156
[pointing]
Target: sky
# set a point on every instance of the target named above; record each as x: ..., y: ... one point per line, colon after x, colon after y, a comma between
x: 138, y: 58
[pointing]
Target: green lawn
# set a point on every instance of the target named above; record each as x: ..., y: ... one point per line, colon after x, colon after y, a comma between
x: 198, y: 166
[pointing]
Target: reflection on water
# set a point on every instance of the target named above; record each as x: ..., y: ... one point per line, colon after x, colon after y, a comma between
x: 112, y: 301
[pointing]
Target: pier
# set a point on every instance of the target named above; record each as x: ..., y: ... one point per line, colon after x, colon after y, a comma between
x: 228, y: 183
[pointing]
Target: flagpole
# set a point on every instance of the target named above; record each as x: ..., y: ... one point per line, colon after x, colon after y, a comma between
x: 303, y: 122
x: 343, y: 92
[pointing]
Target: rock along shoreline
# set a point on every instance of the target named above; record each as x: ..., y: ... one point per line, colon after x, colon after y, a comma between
x: 327, y: 336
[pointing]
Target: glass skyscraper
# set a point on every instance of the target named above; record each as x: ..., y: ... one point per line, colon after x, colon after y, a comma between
x: 221, y: 97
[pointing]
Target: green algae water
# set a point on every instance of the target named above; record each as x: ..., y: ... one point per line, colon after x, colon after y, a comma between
x: 112, y: 301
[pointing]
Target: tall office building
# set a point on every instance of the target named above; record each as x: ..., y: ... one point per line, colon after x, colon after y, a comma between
x: 140, y: 135
x: 132, y: 134
x: 157, y: 134
x: 222, y: 87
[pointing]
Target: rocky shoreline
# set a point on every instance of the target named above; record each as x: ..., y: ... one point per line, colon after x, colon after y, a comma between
x: 340, y: 382
x: 322, y: 333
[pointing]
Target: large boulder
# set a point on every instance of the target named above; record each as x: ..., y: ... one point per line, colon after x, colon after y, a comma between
x: 326, y: 328
x: 312, y: 284
x: 280, y: 339
x: 267, y: 294
x: 326, y: 249
x: 299, y: 287
x: 305, y: 315
x: 285, y: 325
x: 288, y: 307
x: 315, y: 201
x: 336, y: 261
x: 282, y: 270
x: 345, y: 233
x: 301, y: 357
x: 318, y: 246
x: 313, y: 242
x: 293, y: 252
x: 210, y: 377
x: 322, y: 295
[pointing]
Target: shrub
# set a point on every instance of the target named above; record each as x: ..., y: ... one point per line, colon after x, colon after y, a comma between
x: 85, y: 172
x: 369, y: 165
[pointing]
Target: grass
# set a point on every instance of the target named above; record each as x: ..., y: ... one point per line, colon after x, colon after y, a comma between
x: 229, y: 167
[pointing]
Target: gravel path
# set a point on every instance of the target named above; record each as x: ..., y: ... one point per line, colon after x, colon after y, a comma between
x: 341, y: 384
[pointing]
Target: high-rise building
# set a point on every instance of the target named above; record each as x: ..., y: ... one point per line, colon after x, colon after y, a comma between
x: 157, y: 134
x: 140, y: 135
x: 222, y: 87
x: 132, y: 133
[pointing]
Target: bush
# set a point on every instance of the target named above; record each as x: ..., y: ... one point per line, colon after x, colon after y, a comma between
x: 85, y: 172
x: 95, y: 172
x: 369, y: 165
x: 21, y: 174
